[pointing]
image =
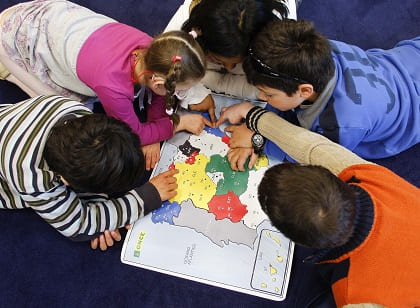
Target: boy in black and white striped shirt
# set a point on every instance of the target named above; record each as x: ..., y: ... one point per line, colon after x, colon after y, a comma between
x: 65, y: 163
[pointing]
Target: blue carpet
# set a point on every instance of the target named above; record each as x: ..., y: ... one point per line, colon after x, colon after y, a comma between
x: 40, y: 268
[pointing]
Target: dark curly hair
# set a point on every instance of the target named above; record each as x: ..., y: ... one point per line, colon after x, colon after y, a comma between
x: 95, y: 153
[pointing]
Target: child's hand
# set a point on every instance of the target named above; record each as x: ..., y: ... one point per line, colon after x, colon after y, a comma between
x: 106, y: 239
x: 235, y: 113
x: 194, y: 123
x: 165, y: 184
x: 241, y: 136
x: 151, y: 154
x: 237, y: 158
x: 206, y: 104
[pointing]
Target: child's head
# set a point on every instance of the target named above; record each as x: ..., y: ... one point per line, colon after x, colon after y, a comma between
x: 308, y: 204
x: 95, y: 153
x: 178, y: 60
x: 287, y: 54
x: 225, y: 27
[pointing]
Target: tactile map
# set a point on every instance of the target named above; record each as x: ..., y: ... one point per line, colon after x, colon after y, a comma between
x: 213, y: 231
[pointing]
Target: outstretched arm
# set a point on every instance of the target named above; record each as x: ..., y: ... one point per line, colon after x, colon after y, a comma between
x: 301, y: 144
x: 166, y: 185
x: 82, y: 217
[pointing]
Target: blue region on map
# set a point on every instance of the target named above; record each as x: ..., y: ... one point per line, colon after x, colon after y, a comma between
x: 166, y: 213
x: 215, y: 131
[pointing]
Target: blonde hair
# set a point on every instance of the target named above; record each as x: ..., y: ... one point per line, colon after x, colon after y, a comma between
x: 179, y: 57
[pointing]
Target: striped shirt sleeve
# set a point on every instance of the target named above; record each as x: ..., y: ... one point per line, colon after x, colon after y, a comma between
x: 26, y: 180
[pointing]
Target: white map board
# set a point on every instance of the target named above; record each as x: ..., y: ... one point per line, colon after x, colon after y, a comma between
x: 213, y: 231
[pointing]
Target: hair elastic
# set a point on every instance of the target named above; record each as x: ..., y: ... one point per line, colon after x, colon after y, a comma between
x: 193, y: 33
x: 170, y: 111
x: 176, y: 58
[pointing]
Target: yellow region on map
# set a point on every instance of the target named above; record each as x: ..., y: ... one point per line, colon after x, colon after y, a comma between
x: 262, y: 161
x: 193, y: 183
x: 276, y: 240
x: 273, y: 270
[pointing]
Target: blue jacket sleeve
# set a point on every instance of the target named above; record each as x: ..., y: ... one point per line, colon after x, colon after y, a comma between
x: 271, y: 149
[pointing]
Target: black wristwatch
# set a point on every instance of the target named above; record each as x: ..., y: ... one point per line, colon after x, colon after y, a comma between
x: 258, y: 142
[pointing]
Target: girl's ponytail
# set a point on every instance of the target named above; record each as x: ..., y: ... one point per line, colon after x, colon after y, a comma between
x: 170, y: 85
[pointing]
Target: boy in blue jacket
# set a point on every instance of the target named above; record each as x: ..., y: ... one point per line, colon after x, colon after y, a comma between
x: 367, y: 101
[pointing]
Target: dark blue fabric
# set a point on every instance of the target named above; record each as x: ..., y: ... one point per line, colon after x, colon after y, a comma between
x: 40, y: 268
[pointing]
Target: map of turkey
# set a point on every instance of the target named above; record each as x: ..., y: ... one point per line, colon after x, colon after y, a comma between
x: 213, y: 199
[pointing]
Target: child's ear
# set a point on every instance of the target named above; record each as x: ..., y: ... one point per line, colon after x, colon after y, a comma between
x: 305, y: 90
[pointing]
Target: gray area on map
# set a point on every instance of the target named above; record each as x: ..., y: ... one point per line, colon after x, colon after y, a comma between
x: 220, y: 232
x: 166, y: 158
x: 179, y: 138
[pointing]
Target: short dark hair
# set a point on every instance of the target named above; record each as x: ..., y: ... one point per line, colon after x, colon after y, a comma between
x: 226, y: 27
x: 95, y: 153
x: 292, y: 48
x: 308, y: 204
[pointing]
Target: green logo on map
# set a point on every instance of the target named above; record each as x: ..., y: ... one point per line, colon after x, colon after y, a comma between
x: 139, y: 244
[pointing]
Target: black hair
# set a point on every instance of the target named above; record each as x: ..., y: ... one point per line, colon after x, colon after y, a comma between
x: 95, y: 153
x: 293, y: 49
x: 225, y: 27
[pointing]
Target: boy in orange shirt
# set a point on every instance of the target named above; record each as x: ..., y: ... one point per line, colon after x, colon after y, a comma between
x: 361, y: 217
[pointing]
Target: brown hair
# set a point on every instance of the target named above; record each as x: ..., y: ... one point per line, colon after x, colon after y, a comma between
x: 191, y: 64
x: 290, y: 48
x: 308, y: 204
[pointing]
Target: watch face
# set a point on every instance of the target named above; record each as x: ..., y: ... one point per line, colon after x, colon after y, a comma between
x: 257, y: 140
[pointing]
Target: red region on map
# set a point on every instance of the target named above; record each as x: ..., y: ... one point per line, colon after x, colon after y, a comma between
x: 227, y: 206
x: 226, y: 140
x: 191, y: 159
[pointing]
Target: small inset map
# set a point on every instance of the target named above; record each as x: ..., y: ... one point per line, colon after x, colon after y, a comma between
x: 270, y: 267
x: 213, y: 230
